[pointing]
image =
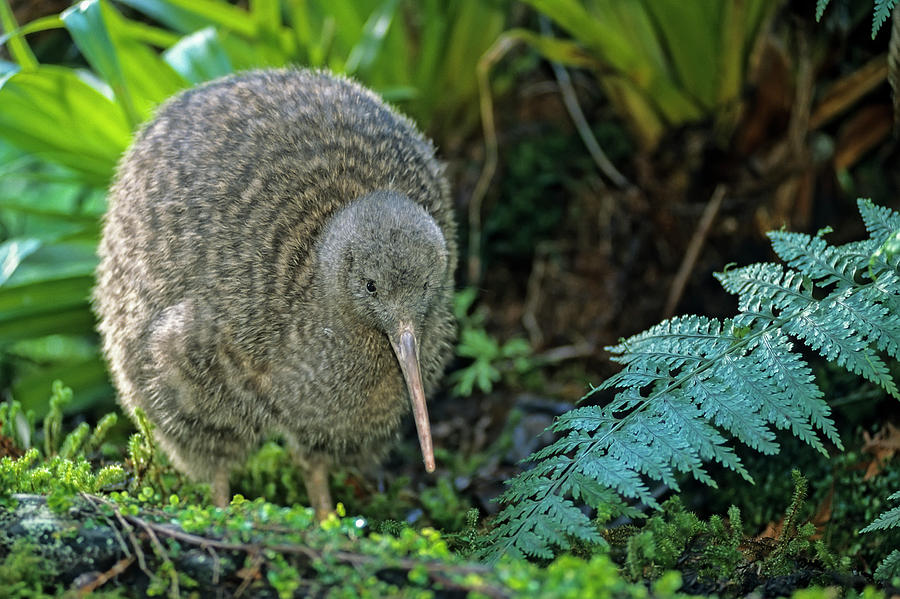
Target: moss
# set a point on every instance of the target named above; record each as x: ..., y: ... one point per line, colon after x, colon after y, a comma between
x: 678, y: 538
x: 22, y: 573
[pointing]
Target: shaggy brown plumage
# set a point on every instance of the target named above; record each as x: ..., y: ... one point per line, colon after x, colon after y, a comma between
x: 278, y: 256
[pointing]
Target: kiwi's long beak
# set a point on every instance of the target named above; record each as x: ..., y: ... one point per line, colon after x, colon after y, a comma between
x: 406, y: 347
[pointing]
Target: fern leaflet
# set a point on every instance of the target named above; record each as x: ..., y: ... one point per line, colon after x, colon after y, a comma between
x: 890, y: 566
x: 691, y: 381
x: 880, y: 12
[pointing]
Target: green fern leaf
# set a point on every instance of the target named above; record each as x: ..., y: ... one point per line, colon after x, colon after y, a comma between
x: 881, y: 13
x: 880, y: 222
x: 684, y: 416
x: 821, y: 5
x: 775, y: 404
x: 691, y: 381
x: 728, y: 409
x: 868, y: 312
x: 837, y: 342
x: 773, y: 351
x: 889, y: 568
x: 889, y: 519
x: 532, y: 527
x: 813, y: 257
x: 763, y: 287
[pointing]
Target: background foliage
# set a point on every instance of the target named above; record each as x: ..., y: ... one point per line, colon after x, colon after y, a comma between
x: 790, y: 120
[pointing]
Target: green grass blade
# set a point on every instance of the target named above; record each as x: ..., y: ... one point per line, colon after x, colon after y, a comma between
x: 18, y: 47
x: 269, y: 30
x: 56, y: 115
x: 42, y: 24
x: 87, y: 378
x: 563, y: 51
x: 41, y: 298
x: 148, y: 34
x: 138, y: 77
x: 63, y: 320
x: 374, y: 31
x: 188, y: 16
x: 695, y: 56
x: 350, y: 17
x: 176, y: 18
x: 266, y: 14
x: 92, y: 37
x: 12, y: 252
x: 199, y: 57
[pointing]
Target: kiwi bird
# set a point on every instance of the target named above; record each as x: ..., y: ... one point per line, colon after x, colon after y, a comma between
x: 277, y: 258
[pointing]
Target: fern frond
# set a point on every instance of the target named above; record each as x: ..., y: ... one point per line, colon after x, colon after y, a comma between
x: 684, y: 416
x: 889, y: 519
x: 773, y: 351
x: 869, y: 312
x: 731, y: 410
x: 890, y: 566
x: 837, y: 342
x: 534, y: 527
x: 880, y: 221
x: 813, y: 257
x: 881, y: 13
x: 689, y: 381
x: 764, y: 287
x: 673, y: 343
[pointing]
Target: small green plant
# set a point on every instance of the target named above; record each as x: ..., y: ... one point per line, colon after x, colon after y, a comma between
x: 795, y: 540
x: 490, y: 359
x: 717, y: 550
x: 677, y: 539
x: 23, y: 573
x: 889, y: 568
x: 64, y: 468
x: 690, y: 378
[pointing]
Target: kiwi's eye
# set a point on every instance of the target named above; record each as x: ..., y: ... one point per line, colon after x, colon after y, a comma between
x: 370, y: 286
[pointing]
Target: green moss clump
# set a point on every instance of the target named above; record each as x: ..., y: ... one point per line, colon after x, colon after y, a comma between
x: 678, y: 538
x: 22, y: 573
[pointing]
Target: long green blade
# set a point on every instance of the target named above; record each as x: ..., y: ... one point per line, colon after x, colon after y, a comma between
x: 56, y: 115
x: 18, y: 47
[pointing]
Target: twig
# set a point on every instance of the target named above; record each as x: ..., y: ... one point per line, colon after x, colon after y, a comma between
x: 115, y: 530
x: 136, y: 545
x: 577, y: 115
x: 117, y: 568
x: 174, y: 591
x: 491, y: 56
x: 532, y: 297
x: 693, y: 250
x: 894, y: 66
x: 434, y: 569
x: 248, y: 577
x: 562, y: 353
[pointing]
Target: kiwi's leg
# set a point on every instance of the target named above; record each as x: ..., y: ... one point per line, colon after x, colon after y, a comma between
x: 221, y: 491
x: 315, y: 475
